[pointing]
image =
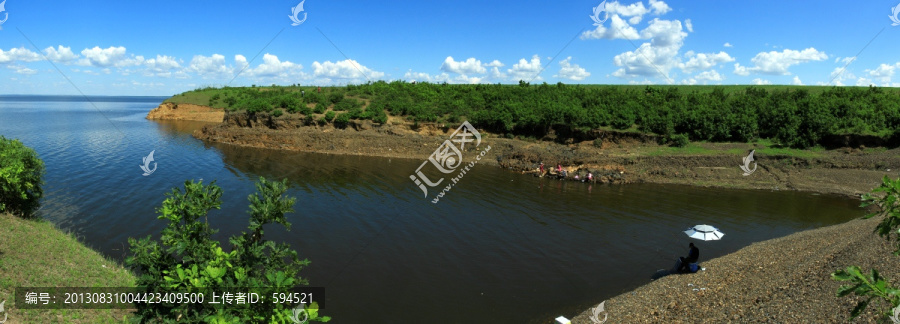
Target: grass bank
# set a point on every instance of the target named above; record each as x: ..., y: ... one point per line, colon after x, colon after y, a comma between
x: 34, y: 253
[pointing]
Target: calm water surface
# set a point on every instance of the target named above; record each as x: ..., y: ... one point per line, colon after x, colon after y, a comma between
x: 499, y: 248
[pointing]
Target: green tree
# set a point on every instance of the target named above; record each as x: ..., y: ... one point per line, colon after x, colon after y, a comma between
x: 187, y: 259
x: 21, y: 177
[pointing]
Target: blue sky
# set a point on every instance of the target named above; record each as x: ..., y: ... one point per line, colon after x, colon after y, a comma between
x: 167, y: 47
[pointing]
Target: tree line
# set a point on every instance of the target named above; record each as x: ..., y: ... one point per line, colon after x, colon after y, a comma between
x: 798, y: 117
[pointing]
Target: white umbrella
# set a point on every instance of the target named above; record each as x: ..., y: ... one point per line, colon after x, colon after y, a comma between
x: 704, y: 232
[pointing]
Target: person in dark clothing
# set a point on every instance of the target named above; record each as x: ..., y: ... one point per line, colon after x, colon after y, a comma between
x: 693, y: 256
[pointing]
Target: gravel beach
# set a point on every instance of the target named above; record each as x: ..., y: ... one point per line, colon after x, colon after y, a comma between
x: 783, y: 280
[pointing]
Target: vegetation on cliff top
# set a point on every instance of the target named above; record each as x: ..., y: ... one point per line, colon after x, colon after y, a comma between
x: 794, y: 116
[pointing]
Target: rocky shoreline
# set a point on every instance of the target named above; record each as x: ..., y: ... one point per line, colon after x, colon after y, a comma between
x: 783, y: 280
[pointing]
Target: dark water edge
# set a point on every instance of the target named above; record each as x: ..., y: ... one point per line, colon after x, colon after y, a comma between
x: 500, y: 247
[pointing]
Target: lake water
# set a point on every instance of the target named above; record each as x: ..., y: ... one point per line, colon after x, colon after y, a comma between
x: 499, y: 248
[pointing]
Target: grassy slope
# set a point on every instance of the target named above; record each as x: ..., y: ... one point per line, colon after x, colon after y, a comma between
x: 37, y: 254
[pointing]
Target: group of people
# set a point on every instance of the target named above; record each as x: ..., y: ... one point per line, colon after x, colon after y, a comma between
x: 562, y: 174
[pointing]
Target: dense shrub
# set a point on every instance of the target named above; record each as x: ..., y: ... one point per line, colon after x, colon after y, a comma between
x: 320, y: 108
x: 329, y: 116
x: 187, y: 259
x: 277, y: 113
x: 21, y: 173
x: 342, y: 120
x: 791, y: 116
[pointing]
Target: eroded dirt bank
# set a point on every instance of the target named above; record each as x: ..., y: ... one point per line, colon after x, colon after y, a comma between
x: 171, y: 111
x: 616, y: 158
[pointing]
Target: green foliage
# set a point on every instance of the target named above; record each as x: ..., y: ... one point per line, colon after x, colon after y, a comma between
x: 335, y: 96
x: 799, y: 117
x: 320, y: 108
x: 598, y: 143
x: 887, y: 198
x: 329, y: 116
x: 342, y: 120
x: 679, y: 140
x: 872, y: 286
x: 230, y: 101
x: 187, y: 259
x: 277, y: 113
x: 256, y: 105
x: 289, y: 102
x: 21, y: 173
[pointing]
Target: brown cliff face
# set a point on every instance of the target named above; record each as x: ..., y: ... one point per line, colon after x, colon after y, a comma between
x: 171, y: 111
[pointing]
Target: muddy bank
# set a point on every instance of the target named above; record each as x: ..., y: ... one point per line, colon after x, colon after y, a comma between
x: 172, y: 111
x: 618, y: 157
x: 784, y: 280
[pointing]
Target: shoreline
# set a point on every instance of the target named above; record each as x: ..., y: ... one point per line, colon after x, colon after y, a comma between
x: 621, y: 158
x: 792, y: 283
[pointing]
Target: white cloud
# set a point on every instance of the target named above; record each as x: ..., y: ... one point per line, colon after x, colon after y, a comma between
x: 863, y: 82
x: 839, y: 75
x: 797, y: 81
x: 571, y: 71
x: 689, y: 25
x: 704, y: 61
x: 777, y: 63
x: 741, y: 70
x: 495, y: 63
x: 60, y: 54
x: 711, y: 75
x: 111, y: 56
x: 656, y: 57
x: 210, y: 66
x: 659, y: 7
x: 619, y: 29
x: 348, y: 70
x: 728, y: 45
x: 271, y: 67
x: 884, y: 72
x: 425, y: 77
x: 469, y: 66
x: 162, y: 65
x: 18, y: 54
x: 21, y: 69
x: 759, y: 81
x: 526, y: 70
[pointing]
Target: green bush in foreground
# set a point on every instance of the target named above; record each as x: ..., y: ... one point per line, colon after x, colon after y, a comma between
x: 187, y: 259
x: 873, y: 285
x: 21, y: 172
